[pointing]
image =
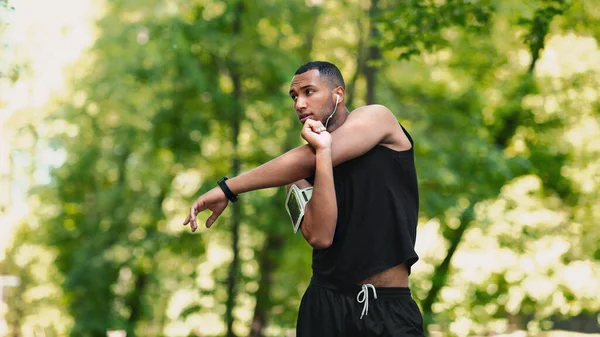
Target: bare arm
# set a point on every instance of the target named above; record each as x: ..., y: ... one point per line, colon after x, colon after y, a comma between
x: 303, y: 183
x: 320, y: 214
x: 365, y: 128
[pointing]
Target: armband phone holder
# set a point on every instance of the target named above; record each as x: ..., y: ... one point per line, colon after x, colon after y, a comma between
x: 296, y: 201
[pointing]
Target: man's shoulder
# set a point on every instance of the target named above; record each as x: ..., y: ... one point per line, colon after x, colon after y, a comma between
x: 371, y: 111
x: 380, y: 119
x: 379, y: 109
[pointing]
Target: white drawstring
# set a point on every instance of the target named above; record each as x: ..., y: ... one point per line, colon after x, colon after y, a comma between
x: 365, y: 298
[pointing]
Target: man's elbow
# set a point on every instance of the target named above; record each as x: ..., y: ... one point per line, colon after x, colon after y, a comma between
x: 319, y: 242
x: 319, y: 235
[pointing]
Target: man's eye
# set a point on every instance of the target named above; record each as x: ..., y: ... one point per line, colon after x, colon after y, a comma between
x: 309, y: 91
x: 294, y: 98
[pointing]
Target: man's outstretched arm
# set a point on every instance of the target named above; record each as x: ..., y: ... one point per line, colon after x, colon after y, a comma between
x: 365, y: 128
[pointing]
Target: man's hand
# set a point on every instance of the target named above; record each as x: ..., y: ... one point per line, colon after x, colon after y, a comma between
x: 213, y: 200
x: 316, y: 135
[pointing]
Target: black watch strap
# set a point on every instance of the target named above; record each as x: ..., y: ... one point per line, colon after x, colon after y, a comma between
x: 226, y: 190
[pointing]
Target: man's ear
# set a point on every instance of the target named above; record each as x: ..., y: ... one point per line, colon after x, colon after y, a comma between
x: 340, y: 92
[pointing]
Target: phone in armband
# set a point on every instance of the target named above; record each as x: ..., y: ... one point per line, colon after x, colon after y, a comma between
x: 296, y: 201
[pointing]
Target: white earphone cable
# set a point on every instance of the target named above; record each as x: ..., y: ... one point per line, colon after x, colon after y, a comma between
x: 334, y: 109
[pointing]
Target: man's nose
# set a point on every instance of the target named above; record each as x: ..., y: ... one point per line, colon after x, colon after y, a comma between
x: 300, y: 104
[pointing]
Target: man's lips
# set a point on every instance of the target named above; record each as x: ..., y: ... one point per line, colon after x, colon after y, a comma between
x: 304, y: 117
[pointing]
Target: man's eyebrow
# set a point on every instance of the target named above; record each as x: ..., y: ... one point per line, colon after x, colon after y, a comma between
x: 301, y: 88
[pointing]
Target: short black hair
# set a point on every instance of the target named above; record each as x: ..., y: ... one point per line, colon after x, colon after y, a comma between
x: 328, y: 70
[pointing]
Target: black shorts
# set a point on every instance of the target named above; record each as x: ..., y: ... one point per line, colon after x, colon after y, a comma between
x: 329, y: 309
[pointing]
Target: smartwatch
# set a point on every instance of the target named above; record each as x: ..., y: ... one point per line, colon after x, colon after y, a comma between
x: 226, y: 190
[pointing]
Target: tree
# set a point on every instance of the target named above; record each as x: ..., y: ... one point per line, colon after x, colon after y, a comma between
x: 458, y: 177
x: 128, y: 152
x: 175, y: 95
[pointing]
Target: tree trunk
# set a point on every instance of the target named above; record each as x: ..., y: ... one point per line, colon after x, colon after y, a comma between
x: 360, y: 66
x: 373, y: 54
x: 268, y: 263
x: 232, y: 278
x: 442, y: 271
x: 309, y: 37
x: 17, y: 308
x: 134, y: 302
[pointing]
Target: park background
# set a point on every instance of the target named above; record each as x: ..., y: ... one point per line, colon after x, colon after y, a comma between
x: 115, y: 114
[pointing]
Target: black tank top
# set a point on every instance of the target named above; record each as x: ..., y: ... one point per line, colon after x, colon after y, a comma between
x: 378, y: 204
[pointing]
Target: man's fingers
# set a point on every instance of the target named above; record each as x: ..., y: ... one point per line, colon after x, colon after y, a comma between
x: 307, y: 125
x: 214, y: 200
x: 211, y: 219
x: 314, y: 126
x: 193, y: 212
x: 317, y: 127
x: 322, y: 127
x: 191, y: 218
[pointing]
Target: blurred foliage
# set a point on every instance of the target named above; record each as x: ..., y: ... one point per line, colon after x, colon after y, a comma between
x: 10, y: 69
x: 506, y: 144
x: 5, y: 9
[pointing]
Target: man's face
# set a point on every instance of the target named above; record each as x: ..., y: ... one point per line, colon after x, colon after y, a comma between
x: 312, y: 96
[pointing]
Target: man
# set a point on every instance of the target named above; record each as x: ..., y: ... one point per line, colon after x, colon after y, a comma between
x: 362, y: 257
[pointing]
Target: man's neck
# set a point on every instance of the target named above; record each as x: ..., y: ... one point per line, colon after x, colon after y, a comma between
x: 338, y: 119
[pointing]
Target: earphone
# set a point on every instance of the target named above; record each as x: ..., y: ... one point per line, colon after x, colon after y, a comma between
x: 337, y: 100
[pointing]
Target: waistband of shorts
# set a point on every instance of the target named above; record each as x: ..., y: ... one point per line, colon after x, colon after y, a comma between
x: 353, y: 289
